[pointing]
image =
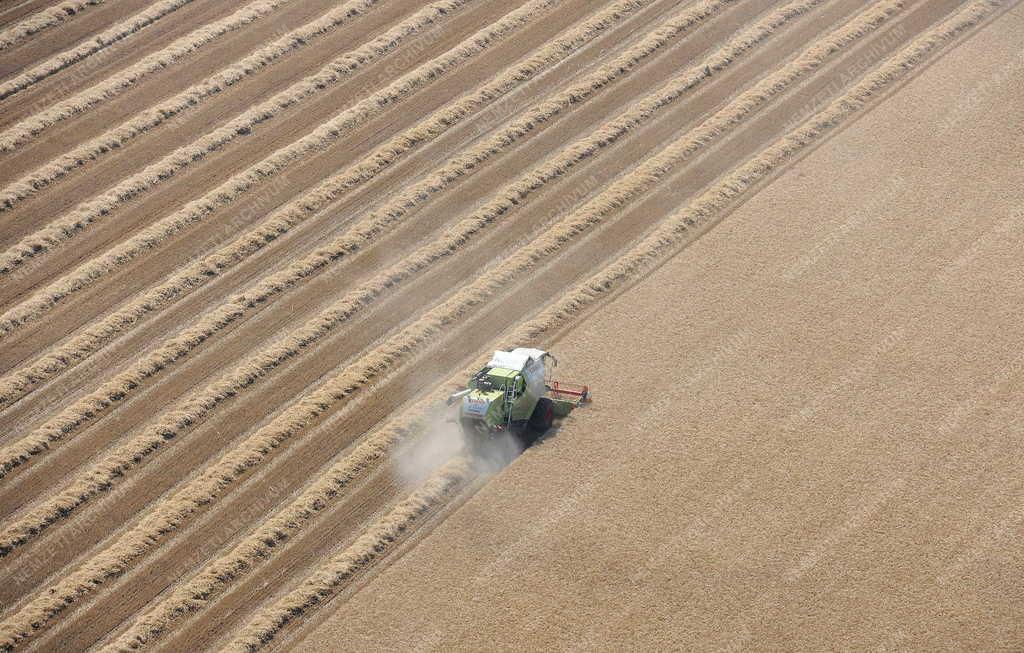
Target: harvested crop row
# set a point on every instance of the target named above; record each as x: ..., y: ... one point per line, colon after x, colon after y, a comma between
x: 660, y: 244
x: 41, y: 20
x: 170, y: 513
x: 266, y: 540
x: 90, y: 212
x: 115, y: 390
x: 370, y: 546
x: 68, y: 58
x: 243, y: 375
x: 22, y: 132
x: 18, y: 382
x: 230, y: 190
x: 191, y: 97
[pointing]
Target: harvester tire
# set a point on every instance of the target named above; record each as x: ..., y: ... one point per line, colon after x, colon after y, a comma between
x: 543, y: 415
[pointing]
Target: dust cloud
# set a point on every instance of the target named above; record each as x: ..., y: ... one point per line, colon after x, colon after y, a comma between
x: 442, y: 440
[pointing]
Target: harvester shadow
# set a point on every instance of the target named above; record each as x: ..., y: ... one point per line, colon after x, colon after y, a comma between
x: 543, y: 436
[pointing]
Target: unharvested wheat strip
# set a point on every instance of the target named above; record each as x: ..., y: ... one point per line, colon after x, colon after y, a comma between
x: 169, y: 514
x: 191, y: 97
x: 41, y: 20
x: 263, y: 627
x: 22, y: 132
x: 240, y: 183
x: 119, y: 32
x: 18, y: 382
x: 115, y: 390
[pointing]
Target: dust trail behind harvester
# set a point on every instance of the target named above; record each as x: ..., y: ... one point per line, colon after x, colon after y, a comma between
x: 440, y: 441
x: 424, y: 453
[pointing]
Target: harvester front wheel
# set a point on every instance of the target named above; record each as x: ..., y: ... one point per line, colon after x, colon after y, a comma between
x: 543, y: 415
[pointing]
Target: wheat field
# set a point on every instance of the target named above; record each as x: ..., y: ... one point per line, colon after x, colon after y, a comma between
x: 246, y: 250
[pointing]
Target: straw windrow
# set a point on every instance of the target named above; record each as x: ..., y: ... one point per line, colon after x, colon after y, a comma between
x: 44, y: 19
x: 63, y: 60
x: 263, y: 542
x: 371, y: 546
x: 320, y: 138
x: 79, y: 347
x: 152, y: 117
x: 83, y: 101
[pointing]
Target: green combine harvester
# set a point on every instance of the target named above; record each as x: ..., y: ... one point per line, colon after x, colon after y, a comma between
x: 513, y: 393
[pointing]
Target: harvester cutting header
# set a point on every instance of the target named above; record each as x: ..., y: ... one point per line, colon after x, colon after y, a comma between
x: 513, y: 392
